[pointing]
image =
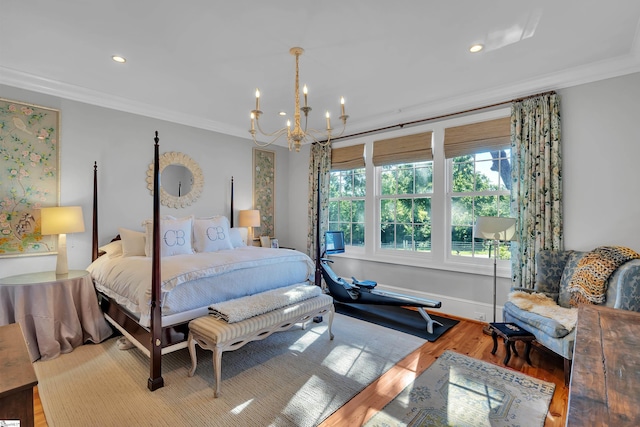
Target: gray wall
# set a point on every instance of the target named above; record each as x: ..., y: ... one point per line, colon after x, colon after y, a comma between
x: 601, y: 148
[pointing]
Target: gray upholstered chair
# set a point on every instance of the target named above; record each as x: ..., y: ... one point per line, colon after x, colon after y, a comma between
x: 554, y: 270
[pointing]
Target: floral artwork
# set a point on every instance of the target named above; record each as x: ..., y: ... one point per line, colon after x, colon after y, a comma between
x: 29, y: 176
x: 264, y: 187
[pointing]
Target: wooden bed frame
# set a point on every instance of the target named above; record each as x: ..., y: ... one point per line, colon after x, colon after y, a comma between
x: 156, y: 340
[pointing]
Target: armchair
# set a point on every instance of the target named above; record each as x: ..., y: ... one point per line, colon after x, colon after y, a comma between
x: 554, y: 270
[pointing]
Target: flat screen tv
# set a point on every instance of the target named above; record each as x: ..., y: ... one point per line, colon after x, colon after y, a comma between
x: 335, y: 242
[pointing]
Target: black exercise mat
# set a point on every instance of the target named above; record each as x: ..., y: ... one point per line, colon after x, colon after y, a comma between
x: 397, y: 318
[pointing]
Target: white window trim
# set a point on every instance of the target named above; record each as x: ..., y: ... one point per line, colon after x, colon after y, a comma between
x: 440, y: 257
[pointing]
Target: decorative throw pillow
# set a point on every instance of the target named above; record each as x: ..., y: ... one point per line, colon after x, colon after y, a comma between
x: 133, y: 242
x: 211, y: 234
x: 112, y: 249
x: 237, y: 240
x: 175, y: 236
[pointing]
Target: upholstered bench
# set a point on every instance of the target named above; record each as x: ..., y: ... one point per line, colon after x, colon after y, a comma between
x: 219, y: 336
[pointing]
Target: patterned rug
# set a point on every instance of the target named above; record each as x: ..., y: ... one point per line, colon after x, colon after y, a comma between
x: 457, y: 390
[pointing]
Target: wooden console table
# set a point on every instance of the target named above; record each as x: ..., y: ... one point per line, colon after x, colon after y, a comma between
x: 17, y: 377
x: 605, y: 376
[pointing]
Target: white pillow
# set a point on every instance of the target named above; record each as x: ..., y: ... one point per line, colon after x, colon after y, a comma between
x: 237, y: 240
x: 211, y: 234
x: 132, y: 242
x: 175, y: 236
x: 112, y: 249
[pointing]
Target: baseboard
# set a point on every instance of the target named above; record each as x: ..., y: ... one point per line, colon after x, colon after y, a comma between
x: 457, y: 307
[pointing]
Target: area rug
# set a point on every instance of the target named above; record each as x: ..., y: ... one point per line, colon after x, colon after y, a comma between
x: 397, y: 318
x: 457, y: 390
x: 293, y: 378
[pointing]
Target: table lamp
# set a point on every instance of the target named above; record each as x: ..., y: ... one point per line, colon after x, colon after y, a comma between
x: 497, y: 229
x: 249, y: 218
x: 61, y: 220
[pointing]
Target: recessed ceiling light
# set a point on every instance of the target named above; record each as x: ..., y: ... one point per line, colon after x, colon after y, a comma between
x: 476, y: 48
x: 282, y: 113
x: 119, y: 59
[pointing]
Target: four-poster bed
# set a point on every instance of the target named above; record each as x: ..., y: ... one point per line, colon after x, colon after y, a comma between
x: 150, y: 297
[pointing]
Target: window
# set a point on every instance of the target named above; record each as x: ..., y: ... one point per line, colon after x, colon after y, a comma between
x: 405, y: 206
x: 480, y: 185
x: 346, y: 204
x: 347, y: 192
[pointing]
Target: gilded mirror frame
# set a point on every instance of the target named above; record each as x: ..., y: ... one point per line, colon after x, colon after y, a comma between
x: 181, y: 159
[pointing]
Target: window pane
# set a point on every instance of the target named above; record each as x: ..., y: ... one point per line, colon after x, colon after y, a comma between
x: 404, y: 238
x: 334, y: 185
x: 422, y: 237
x: 357, y: 235
x: 424, y: 179
x: 404, y: 210
x: 333, y: 211
x: 387, y: 236
x: 359, y: 183
x: 422, y: 211
x: 463, y: 174
x: 388, y: 179
x: 405, y: 180
x: 345, y: 211
x: 358, y: 211
x: 387, y: 210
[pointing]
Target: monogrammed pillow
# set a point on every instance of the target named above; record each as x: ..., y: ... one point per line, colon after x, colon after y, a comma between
x: 175, y: 236
x: 211, y: 234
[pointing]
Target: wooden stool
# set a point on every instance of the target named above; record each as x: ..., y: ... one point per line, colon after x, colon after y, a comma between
x: 511, y: 333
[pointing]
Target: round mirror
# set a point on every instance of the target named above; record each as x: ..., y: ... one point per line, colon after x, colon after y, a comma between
x: 176, y: 180
x: 181, y: 180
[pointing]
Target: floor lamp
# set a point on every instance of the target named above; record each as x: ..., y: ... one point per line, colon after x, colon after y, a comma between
x: 498, y: 229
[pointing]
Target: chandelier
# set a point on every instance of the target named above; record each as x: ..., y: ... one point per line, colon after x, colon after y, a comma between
x: 298, y: 135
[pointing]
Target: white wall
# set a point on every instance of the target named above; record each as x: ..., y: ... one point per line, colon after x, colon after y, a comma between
x: 601, y: 163
x: 122, y: 144
x: 601, y: 184
x: 601, y: 152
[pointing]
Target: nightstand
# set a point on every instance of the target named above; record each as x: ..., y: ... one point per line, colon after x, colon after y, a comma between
x: 56, y: 313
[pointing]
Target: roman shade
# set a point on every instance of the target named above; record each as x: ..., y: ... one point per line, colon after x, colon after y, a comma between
x: 477, y: 137
x: 403, y: 149
x: 347, y: 158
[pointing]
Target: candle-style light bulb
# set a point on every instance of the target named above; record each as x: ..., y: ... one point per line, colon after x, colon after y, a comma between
x: 304, y: 91
x: 327, y: 115
x: 257, y: 99
x: 342, y: 104
x: 253, y: 117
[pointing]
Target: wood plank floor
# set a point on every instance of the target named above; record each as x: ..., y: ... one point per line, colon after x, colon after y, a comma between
x: 467, y: 338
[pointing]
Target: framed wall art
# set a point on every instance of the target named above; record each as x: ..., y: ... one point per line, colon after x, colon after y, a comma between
x: 264, y: 189
x: 29, y: 176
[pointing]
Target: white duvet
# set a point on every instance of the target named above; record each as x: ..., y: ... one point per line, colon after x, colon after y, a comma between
x: 194, y: 281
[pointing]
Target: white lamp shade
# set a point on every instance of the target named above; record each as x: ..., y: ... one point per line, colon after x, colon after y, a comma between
x: 496, y: 228
x: 61, y: 220
x: 249, y: 218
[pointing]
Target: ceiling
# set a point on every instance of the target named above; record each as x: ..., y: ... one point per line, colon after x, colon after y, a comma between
x: 198, y: 62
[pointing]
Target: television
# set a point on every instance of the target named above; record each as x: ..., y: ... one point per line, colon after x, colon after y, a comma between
x: 334, y: 241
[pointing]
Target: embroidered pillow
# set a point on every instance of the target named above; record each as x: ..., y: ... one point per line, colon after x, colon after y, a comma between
x: 132, y: 242
x: 175, y: 236
x: 211, y: 234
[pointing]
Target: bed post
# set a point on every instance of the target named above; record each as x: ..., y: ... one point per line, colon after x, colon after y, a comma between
x: 231, y: 216
x: 94, y: 243
x: 155, y: 372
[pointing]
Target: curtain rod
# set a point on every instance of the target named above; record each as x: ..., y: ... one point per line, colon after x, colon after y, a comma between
x: 442, y: 116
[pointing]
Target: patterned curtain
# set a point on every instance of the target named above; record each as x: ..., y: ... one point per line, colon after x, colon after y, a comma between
x: 320, y: 158
x: 536, y: 193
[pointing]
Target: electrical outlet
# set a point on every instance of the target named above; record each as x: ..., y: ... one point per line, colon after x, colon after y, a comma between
x: 479, y: 316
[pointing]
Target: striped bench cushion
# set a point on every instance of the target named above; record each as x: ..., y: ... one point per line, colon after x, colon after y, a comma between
x: 220, y: 331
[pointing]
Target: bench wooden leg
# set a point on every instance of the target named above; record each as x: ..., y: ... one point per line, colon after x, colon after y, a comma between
x: 331, y: 313
x: 192, y: 353
x: 217, y: 369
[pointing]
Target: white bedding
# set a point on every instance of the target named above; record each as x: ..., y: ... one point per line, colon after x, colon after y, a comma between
x: 198, y: 280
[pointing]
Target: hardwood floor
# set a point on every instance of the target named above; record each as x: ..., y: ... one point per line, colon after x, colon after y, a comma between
x: 467, y: 338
